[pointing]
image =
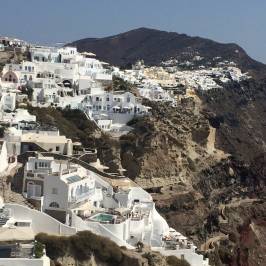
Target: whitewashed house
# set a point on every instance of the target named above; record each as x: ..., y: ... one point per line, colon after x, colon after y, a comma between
x: 20, y: 141
x: 113, y: 108
x: 59, y: 186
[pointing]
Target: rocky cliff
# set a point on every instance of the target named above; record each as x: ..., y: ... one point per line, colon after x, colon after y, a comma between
x: 203, y: 157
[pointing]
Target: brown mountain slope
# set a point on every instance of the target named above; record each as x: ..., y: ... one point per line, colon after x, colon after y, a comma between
x: 154, y: 46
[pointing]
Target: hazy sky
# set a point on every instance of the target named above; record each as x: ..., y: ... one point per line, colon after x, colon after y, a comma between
x: 51, y: 21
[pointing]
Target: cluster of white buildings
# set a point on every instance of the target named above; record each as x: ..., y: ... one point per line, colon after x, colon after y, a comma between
x: 167, y: 82
x: 80, y: 199
x: 63, y: 77
x: 153, y: 83
x: 69, y: 197
x: 206, y: 79
x: 8, y: 43
x: 162, y: 83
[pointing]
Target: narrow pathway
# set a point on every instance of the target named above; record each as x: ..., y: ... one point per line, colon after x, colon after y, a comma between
x: 209, y: 245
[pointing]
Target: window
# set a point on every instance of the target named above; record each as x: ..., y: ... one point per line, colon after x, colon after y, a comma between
x: 97, y: 99
x: 54, y: 205
x: 22, y: 224
x: 54, y: 191
x: 107, y: 99
x: 43, y: 165
x: 33, y: 190
x: 57, y: 148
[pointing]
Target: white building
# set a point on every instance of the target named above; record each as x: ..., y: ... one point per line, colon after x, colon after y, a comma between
x: 113, y: 108
x: 59, y: 185
x: 20, y: 141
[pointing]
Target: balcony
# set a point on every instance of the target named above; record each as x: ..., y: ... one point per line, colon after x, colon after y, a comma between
x: 76, y: 200
x: 36, y: 175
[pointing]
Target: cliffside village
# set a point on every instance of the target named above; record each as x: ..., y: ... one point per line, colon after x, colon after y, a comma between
x: 63, y: 193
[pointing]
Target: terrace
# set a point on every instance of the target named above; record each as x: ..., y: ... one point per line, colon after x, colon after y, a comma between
x: 174, y: 240
x: 108, y: 216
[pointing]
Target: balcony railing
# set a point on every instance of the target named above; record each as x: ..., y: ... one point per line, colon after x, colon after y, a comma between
x: 35, y: 175
x: 82, y: 197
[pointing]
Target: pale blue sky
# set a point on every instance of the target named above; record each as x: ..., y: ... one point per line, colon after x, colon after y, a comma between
x: 51, y: 21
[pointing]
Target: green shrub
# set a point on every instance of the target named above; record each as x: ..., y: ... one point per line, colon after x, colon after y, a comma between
x: 174, y: 261
x: 56, y: 247
x: 38, y: 249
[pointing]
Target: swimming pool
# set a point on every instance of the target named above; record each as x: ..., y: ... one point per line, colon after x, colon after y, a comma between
x: 102, y: 217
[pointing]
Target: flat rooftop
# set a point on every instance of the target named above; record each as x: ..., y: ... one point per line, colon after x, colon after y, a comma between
x: 123, y: 183
x: 73, y: 179
x: 16, y: 234
x: 38, y: 138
